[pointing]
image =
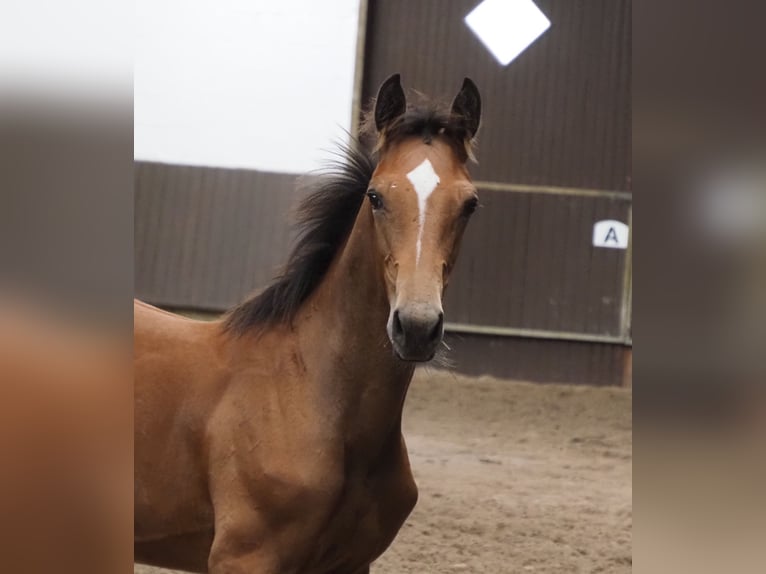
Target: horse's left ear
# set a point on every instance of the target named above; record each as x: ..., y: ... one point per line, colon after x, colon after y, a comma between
x: 467, y: 105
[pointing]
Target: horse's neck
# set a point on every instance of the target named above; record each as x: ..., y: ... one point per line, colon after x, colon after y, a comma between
x: 345, y: 328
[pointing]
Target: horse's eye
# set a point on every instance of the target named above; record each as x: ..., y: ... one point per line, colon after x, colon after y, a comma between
x: 470, y: 206
x: 375, y: 199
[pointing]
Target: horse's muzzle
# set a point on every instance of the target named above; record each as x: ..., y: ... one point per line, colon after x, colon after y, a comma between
x: 416, y: 331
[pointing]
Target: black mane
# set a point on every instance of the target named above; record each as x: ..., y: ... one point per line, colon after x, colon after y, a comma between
x: 324, y: 220
x: 327, y: 214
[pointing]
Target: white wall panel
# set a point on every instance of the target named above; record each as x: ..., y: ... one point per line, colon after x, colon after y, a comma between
x: 243, y: 83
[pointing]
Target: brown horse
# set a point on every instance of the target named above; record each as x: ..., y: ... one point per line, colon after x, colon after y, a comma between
x: 270, y: 441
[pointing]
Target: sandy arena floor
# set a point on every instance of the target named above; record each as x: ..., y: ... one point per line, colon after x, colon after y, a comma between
x: 514, y: 477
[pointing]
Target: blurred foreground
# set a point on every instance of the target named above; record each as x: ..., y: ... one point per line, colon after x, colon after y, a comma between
x: 66, y: 410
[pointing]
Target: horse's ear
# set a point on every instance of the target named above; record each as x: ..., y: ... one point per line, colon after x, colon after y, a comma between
x: 390, y: 103
x: 467, y: 106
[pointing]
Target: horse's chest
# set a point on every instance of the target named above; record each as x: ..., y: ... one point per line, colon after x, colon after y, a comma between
x: 370, y: 513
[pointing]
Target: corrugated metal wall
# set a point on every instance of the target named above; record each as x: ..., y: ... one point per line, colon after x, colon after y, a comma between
x: 539, y: 360
x: 205, y: 237
x: 533, y: 297
x: 527, y: 262
x: 558, y: 115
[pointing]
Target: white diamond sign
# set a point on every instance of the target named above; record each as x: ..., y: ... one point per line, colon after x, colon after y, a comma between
x: 507, y: 27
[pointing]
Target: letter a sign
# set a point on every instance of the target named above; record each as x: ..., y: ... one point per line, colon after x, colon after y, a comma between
x: 611, y: 233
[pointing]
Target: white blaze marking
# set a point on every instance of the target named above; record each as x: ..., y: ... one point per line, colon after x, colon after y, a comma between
x: 424, y: 179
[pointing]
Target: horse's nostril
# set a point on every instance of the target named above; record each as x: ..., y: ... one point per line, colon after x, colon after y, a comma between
x: 436, y: 331
x: 398, y: 330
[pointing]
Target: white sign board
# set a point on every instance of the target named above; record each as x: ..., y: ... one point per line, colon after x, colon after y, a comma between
x: 611, y: 233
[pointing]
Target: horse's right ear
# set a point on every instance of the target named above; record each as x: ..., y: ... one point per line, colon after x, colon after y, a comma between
x: 390, y: 103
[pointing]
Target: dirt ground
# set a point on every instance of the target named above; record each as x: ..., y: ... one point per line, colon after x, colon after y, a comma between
x: 514, y: 477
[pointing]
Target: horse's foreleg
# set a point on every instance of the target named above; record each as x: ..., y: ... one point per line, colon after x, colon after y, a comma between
x: 249, y: 542
x: 250, y: 563
x: 240, y: 553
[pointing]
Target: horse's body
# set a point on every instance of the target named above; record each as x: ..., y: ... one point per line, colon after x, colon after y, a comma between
x: 270, y: 441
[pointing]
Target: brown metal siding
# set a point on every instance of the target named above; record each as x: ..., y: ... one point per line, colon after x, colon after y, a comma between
x: 205, y: 237
x: 538, y: 360
x: 557, y: 115
x: 527, y: 262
